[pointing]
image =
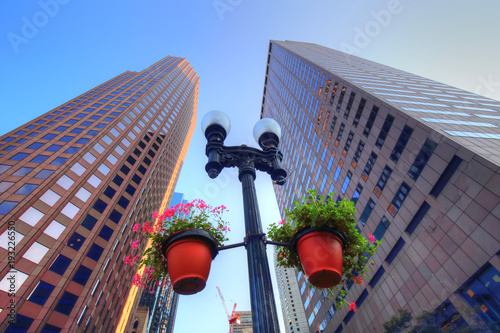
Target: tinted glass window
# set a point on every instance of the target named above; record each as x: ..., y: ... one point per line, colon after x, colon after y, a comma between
x: 22, y: 324
x: 118, y: 180
x: 95, y: 252
x: 76, y: 241
x: 66, y: 303
x: 51, y: 329
x: 89, y: 222
x: 370, y: 121
x: 82, y: 275
x: 59, y: 161
x: 71, y: 150
x: 60, y: 265
x: 22, y: 171
x: 399, y: 198
x: 381, y: 228
x: 130, y: 190
x: 401, y: 143
x: 384, y: 131
x: 19, y: 157
x: 44, y: 174
x: 41, y: 293
x: 66, y: 138
x: 39, y: 159
x: 109, y: 192
x: 367, y: 211
x: 6, y: 206
x: 115, y: 216
x: 53, y: 148
x: 26, y: 189
x: 106, y: 233
x: 384, y: 177
x: 422, y: 158
x: 100, y: 205
x: 35, y: 145
x: 123, y: 202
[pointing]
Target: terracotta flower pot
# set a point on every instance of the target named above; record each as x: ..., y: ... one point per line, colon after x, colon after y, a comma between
x: 189, y: 255
x: 320, y: 254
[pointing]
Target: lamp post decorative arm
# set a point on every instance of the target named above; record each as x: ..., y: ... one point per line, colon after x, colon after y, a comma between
x: 248, y: 160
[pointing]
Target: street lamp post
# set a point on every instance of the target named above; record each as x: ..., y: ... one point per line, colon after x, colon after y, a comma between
x: 215, y: 126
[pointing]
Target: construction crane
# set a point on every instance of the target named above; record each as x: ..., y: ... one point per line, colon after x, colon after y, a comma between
x: 233, y: 317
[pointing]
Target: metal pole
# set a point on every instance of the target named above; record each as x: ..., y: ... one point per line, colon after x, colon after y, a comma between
x: 264, y: 316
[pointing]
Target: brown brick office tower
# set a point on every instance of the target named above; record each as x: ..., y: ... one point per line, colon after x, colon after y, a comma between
x: 420, y: 159
x: 73, y: 182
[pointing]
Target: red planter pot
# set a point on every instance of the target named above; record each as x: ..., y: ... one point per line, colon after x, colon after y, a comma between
x: 320, y: 254
x: 189, y: 256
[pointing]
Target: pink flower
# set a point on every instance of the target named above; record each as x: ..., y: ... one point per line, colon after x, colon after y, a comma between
x: 146, y: 228
x: 137, y: 280
x: 281, y: 222
x: 135, y: 244
x: 155, y: 215
x: 168, y: 213
x: 352, y: 306
x: 200, y: 204
x: 136, y: 227
x: 282, y: 255
x: 370, y: 236
x: 359, y: 280
x: 129, y: 260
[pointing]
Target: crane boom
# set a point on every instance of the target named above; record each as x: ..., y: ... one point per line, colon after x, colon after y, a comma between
x: 233, y: 317
x: 223, y: 303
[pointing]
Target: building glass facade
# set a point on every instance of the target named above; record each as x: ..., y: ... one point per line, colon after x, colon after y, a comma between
x: 73, y: 182
x: 288, y: 287
x: 426, y: 181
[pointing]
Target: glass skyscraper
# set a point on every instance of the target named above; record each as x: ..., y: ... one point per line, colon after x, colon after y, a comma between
x: 291, y: 303
x: 421, y: 161
x: 73, y: 182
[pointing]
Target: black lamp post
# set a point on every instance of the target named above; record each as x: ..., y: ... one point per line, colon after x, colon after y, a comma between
x: 215, y: 126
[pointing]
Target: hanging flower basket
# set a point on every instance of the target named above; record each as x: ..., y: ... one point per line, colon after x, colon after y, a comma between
x: 326, y: 243
x: 189, y: 256
x: 320, y: 253
x: 183, y: 240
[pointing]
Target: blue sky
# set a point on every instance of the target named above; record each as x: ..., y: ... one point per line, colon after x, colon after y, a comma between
x: 53, y: 50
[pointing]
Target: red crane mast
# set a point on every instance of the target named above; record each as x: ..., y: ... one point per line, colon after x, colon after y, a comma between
x: 233, y: 317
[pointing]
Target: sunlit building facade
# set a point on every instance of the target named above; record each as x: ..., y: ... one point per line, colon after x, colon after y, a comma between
x: 245, y: 323
x: 419, y: 158
x: 73, y: 182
